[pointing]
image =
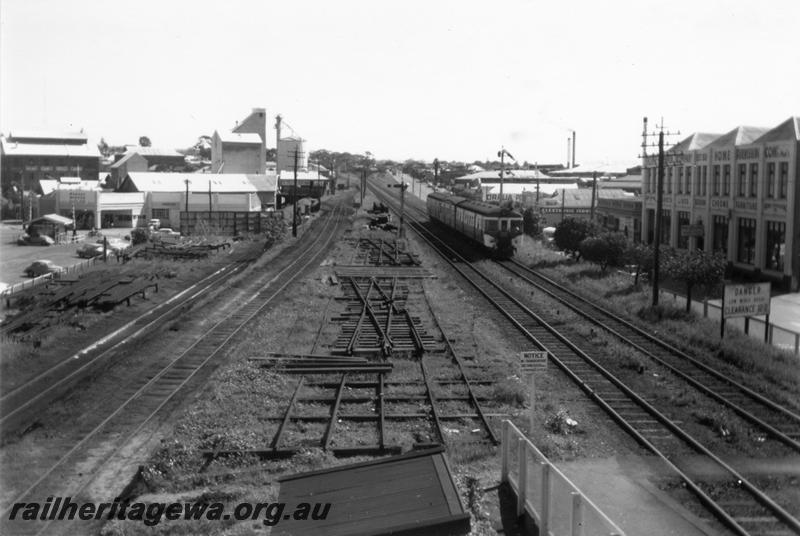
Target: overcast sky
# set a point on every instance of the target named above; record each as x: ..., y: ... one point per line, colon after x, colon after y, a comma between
x: 404, y: 79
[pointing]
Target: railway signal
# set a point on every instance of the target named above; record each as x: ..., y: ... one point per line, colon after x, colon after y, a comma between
x: 403, y: 187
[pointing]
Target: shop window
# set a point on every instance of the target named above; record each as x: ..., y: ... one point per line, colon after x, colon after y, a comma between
x: 776, y: 245
x: 161, y: 214
x: 683, y: 240
x: 753, y: 180
x: 720, y: 234
x: 746, y: 251
x: 688, y: 188
x: 704, y: 181
x: 741, y: 180
x: 717, y: 179
x: 771, y: 180
x: 783, y: 182
x: 666, y: 226
x: 726, y: 179
x: 669, y: 180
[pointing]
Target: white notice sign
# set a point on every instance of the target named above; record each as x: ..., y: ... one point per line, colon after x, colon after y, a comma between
x: 746, y: 300
x: 534, y: 361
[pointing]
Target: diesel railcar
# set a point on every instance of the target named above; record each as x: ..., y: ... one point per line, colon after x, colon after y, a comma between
x: 496, y: 228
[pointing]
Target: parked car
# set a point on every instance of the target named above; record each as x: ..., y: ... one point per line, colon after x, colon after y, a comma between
x: 87, y: 250
x: 41, y: 267
x: 40, y: 240
x: 166, y: 232
x: 114, y: 245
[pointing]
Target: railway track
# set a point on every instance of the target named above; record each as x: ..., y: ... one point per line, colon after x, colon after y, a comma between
x: 75, y: 461
x: 748, y: 511
x: 42, y: 388
x: 389, y: 382
x: 778, y: 421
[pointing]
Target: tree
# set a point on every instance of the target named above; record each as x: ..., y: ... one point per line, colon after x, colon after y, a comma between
x: 640, y: 255
x: 569, y: 234
x: 695, y: 268
x: 144, y: 141
x: 530, y: 222
x: 605, y: 250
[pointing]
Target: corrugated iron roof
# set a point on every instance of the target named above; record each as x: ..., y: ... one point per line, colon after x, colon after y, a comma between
x: 47, y: 135
x: 12, y: 148
x: 694, y: 142
x: 516, y: 188
x: 145, y: 181
x: 510, y: 173
x: 788, y: 130
x: 741, y: 135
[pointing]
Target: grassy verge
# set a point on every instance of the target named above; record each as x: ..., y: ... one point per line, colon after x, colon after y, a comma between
x: 764, y: 367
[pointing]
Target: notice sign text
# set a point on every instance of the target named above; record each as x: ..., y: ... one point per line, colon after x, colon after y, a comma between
x: 746, y: 300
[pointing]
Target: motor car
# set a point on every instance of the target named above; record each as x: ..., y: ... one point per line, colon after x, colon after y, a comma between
x: 39, y: 240
x: 41, y: 267
x: 87, y: 250
x: 114, y: 245
x: 166, y: 232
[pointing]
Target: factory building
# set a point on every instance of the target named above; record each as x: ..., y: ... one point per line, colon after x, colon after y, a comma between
x: 736, y: 193
x: 29, y: 157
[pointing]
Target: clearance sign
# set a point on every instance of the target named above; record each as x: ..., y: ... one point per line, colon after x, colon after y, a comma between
x: 746, y: 300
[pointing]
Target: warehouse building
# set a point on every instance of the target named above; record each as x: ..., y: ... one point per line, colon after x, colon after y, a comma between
x: 29, y: 157
x: 735, y: 193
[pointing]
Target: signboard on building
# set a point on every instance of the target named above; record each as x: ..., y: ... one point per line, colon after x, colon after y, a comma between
x: 695, y: 229
x: 750, y: 299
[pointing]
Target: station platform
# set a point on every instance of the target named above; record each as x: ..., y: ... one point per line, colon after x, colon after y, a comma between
x: 624, y: 489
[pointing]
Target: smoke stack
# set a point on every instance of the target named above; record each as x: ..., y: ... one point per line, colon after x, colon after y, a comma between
x: 573, y: 148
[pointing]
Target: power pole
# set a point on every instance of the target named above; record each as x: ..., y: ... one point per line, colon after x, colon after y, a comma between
x: 294, y: 195
x: 278, y: 120
x: 502, y: 153
x: 403, y: 186
x: 563, y: 191
x: 659, y: 208
x: 209, y: 199
x: 363, y: 184
x: 436, y: 172
x: 659, y: 203
x: 594, y: 192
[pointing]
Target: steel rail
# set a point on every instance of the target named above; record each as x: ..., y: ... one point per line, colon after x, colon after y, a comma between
x: 326, y: 438
x: 173, y: 304
x: 432, y: 400
x: 794, y: 444
x: 666, y: 346
x: 778, y: 511
x: 306, y: 258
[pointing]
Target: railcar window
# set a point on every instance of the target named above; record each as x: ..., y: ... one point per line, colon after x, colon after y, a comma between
x: 504, y: 225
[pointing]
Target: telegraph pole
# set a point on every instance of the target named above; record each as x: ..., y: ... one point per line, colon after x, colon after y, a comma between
x: 659, y: 208
x: 294, y: 194
x: 278, y: 120
x: 594, y: 191
x: 502, y: 153
x: 659, y: 203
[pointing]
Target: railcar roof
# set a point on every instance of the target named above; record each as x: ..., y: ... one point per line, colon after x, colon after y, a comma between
x: 452, y: 199
x: 489, y: 209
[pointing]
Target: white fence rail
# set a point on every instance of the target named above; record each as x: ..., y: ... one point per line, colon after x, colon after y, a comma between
x: 543, y: 492
x: 46, y: 278
x: 755, y: 327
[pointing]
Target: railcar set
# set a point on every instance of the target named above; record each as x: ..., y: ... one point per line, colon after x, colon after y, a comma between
x: 495, y: 227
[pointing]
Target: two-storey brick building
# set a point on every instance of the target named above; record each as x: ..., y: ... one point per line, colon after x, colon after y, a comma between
x: 736, y: 193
